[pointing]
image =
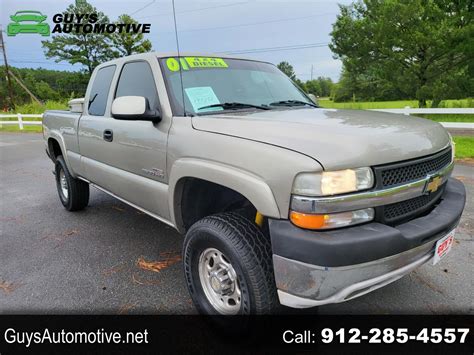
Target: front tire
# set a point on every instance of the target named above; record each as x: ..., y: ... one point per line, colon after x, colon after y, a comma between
x: 73, y: 193
x: 228, y: 266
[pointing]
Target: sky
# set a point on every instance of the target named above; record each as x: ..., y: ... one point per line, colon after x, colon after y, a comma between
x: 251, y: 28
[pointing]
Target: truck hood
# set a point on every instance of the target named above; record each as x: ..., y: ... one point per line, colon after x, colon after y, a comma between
x: 337, y: 139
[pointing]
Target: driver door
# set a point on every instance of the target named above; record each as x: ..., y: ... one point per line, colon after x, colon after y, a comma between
x: 129, y: 158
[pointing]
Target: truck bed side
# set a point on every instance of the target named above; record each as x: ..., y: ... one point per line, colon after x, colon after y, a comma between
x: 61, y: 126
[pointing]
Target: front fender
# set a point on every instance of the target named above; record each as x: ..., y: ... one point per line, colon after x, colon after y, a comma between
x: 247, y: 184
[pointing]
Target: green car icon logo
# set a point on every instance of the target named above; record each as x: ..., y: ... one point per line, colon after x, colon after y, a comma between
x: 28, y: 22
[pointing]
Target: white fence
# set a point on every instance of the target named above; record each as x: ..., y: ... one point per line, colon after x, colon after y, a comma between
x: 429, y: 111
x: 20, y: 121
x: 405, y: 111
x: 408, y: 110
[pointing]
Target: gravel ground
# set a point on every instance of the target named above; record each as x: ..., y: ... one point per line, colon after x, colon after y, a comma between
x: 111, y: 258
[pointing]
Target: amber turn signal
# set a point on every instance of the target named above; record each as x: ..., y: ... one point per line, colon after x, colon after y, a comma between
x: 308, y: 221
x: 333, y: 220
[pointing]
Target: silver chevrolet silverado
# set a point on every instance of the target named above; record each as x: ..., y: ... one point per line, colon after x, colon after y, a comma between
x: 281, y: 202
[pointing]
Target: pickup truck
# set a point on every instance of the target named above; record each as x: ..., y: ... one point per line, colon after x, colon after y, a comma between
x: 280, y: 201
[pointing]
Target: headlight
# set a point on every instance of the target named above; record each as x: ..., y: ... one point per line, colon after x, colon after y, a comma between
x: 453, y: 147
x: 333, y: 220
x: 333, y: 182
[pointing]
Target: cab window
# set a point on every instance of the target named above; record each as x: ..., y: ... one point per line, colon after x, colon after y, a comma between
x: 136, y: 79
x: 100, y: 91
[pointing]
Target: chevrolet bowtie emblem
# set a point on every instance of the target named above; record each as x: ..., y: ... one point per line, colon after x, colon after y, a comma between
x: 433, y: 184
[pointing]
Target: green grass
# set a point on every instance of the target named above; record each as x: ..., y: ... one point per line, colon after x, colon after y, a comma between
x: 468, y: 118
x: 35, y: 108
x: 465, y: 103
x: 464, y: 147
x: 324, y: 102
x: 15, y: 128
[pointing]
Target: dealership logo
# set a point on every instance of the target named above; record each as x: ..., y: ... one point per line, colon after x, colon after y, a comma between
x: 28, y: 21
x: 88, y: 23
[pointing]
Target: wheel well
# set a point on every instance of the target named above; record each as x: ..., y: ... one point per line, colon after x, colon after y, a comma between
x: 54, y: 149
x: 200, y: 198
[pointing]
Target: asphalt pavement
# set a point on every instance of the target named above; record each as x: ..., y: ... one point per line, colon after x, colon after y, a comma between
x: 113, y: 259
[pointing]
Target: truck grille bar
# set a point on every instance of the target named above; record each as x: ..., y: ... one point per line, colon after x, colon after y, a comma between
x: 400, y: 173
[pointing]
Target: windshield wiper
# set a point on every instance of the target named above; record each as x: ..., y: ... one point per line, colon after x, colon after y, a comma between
x: 292, y: 103
x: 233, y: 106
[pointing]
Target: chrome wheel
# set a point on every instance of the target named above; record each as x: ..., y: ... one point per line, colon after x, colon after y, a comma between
x: 219, y: 281
x: 63, y: 184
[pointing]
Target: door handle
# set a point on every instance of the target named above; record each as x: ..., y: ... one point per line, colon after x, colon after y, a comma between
x: 108, y: 135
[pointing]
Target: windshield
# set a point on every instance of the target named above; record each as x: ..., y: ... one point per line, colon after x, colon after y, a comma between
x: 213, y: 85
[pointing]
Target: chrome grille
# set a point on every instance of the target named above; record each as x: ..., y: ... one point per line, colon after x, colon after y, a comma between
x: 391, y: 175
x: 411, y: 208
x: 412, y: 170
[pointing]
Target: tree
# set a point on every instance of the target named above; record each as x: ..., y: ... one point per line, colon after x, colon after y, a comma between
x: 45, y: 92
x: 320, y: 87
x: 313, y: 87
x: 408, y: 47
x: 287, y: 68
x: 366, y: 86
x: 44, y: 84
x: 89, y: 49
x: 129, y: 43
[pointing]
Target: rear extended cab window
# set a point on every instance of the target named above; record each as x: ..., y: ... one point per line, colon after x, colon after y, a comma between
x: 100, y: 90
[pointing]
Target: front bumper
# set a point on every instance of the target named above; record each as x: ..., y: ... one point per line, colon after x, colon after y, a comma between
x: 316, y: 268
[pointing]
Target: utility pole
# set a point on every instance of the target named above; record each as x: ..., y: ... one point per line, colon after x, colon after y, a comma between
x: 311, y: 72
x: 10, y: 90
x: 33, y: 97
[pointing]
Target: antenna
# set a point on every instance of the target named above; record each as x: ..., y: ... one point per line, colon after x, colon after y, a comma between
x: 179, y: 57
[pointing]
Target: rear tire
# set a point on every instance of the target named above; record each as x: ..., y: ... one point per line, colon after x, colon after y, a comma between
x: 73, y: 193
x: 228, y: 266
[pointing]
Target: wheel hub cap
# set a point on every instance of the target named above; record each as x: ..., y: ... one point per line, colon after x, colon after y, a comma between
x: 63, y: 184
x: 219, y: 281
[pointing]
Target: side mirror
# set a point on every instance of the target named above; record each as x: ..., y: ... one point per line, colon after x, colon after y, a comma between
x: 313, y: 98
x: 134, y: 108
